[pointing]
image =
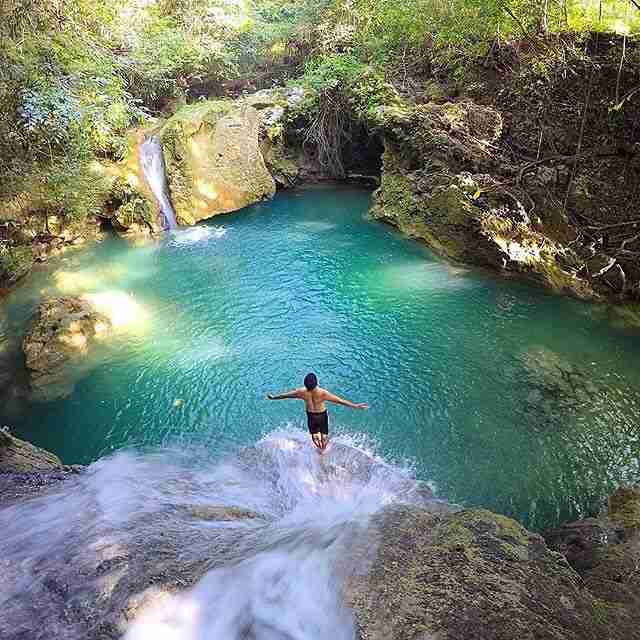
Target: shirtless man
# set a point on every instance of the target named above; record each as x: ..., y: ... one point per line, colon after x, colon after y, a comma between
x: 317, y: 417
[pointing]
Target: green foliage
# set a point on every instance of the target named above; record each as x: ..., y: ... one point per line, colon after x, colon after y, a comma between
x: 75, y: 75
x: 342, y: 78
x: 72, y: 192
x: 15, y: 261
x: 341, y: 93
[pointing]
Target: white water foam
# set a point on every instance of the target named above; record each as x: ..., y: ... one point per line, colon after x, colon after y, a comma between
x: 193, y: 235
x: 272, y: 568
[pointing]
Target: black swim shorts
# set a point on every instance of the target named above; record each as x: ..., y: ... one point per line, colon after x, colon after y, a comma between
x: 318, y: 422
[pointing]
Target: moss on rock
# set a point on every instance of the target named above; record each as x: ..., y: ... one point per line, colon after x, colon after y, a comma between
x: 471, y: 574
x: 15, y: 262
x: 606, y: 553
x: 61, y: 332
x: 18, y: 456
x: 213, y: 158
x: 624, y: 508
x: 133, y: 208
x: 438, y: 185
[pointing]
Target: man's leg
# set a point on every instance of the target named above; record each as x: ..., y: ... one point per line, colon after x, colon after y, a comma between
x: 324, y: 440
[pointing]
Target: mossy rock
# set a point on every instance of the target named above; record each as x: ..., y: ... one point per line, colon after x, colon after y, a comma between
x: 460, y: 215
x: 471, y: 574
x: 626, y: 316
x: 18, y: 456
x: 221, y: 513
x: 624, y: 508
x: 135, y: 209
x: 61, y: 333
x: 281, y: 162
x: 213, y: 159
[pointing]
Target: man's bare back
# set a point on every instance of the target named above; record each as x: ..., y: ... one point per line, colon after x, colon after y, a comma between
x: 314, y: 398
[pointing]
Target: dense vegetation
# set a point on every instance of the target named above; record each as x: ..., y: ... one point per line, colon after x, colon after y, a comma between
x: 76, y: 75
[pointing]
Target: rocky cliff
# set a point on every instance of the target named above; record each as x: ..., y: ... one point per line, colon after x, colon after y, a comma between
x: 527, y: 170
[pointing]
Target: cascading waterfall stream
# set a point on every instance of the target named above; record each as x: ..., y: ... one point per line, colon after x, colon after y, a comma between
x: 153, y: 167
x: 133, y: 529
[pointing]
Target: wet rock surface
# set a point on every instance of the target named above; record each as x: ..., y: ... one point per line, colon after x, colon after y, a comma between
x: 605, y: 551
x: 471, y: 574
x: 62, y: 332
x: 430, y: 571
x: 27, y: 470
x: 20, y: 456
x: 220, y: 513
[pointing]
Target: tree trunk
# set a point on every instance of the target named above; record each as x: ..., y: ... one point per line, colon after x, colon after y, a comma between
x: 544, y: 18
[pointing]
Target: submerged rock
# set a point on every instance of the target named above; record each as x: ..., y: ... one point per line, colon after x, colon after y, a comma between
x: 61, y: 333
x: 555, y: 386
x: 221, y: 513
x: 625, y: 317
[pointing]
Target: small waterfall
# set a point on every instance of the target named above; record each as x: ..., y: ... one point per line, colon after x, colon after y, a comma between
x: 153, y: 166
x: 117, y: 541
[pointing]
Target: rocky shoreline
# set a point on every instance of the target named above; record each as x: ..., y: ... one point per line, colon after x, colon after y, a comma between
x: 441, y: 180
x: 438, y: 571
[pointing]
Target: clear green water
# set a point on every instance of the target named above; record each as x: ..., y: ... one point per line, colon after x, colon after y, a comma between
x: 503, y: 395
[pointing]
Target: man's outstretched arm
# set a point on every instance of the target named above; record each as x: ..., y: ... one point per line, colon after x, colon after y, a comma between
x: 330, y: 397
x: 286, y: 396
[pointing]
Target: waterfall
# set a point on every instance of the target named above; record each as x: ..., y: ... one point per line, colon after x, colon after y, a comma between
x: 153, y: 167
x: 143, y: 533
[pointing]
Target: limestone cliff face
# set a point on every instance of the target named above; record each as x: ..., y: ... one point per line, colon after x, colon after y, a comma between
x: 441, y: 182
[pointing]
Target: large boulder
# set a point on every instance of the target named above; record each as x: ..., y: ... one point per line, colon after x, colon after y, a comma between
x: 213, y: 159
x: 219, y: 155
x: 57, y: 343
x: 471, y: 574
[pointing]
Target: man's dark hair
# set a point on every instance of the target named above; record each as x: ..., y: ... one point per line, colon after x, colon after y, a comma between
x: 310, y: 381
